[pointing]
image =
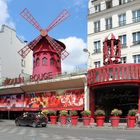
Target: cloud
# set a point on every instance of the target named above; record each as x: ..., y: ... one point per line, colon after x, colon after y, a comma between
x: 80, y: 3
x: 76, y: 59
x: 4, y: 14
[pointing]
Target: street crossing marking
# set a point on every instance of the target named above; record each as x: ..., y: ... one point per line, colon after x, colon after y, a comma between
x: 44, y: 135
x: 22, y: 131
x: 32, y: 133
x: 57, y: 137
x: 4, y: 130
x: 13, y: 130
x: 72, y: 138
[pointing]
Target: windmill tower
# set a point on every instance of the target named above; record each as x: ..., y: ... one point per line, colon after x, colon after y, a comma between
x: 47, y: 51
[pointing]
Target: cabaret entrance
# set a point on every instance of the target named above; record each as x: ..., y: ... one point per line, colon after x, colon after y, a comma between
x: 114, y: 85
x: 124, y: 97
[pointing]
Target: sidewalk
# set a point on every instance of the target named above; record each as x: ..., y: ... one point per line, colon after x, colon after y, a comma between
x: 106, y: 126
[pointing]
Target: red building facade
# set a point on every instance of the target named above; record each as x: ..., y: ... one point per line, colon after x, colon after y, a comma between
x: 114, y: 85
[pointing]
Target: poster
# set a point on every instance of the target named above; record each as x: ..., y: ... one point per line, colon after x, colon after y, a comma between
x: 54, y: 100
x: 65, y: 99
x: 12, y: 101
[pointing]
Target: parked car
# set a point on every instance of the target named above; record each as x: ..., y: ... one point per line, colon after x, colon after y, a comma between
x: 31, y: 119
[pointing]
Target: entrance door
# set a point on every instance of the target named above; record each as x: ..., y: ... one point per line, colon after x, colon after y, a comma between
x: 120, y: 97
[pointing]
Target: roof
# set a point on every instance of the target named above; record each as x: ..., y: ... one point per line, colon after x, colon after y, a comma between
x: 66, y: 82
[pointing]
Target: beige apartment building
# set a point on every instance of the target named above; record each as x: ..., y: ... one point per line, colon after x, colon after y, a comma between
x: 120, y: 17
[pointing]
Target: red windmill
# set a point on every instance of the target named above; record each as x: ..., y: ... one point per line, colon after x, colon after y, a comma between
x: 47, y: 51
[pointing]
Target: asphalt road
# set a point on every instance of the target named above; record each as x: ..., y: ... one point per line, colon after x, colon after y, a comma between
x: 8, y: 131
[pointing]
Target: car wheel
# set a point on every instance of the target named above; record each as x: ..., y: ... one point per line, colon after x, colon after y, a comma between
x: 17, y: 123
x: 34, y: 124
x: 43, y: 125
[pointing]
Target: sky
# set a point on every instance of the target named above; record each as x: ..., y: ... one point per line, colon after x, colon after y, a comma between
x: 72, y: 31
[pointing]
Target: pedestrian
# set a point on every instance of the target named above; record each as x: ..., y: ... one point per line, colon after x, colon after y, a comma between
x: 138, y: 119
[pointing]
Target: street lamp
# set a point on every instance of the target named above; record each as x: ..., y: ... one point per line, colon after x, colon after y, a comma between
x: 8, y: 109
x: 89, y: 61
x: 85, y: 50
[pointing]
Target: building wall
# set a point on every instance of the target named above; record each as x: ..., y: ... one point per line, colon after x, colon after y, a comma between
x: 11, y: 64
x: 101, y: 14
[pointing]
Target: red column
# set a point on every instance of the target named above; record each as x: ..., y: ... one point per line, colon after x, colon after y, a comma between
x: 139, y: 98
x: 92, y: 102
x: 112, y: 48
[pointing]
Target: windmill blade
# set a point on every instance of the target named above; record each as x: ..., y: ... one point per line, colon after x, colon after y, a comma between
x: 64, y: 54
x: 28, y: 16
x: 55, y: 45
x: 25, y: 50
x: 63, y: 15
x: 59, y: 49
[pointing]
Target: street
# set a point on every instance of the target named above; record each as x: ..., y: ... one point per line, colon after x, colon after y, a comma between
x: 8, y: 131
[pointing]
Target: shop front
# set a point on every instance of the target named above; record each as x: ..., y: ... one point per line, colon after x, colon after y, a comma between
x: 115, y: 86
x: 65, y: 93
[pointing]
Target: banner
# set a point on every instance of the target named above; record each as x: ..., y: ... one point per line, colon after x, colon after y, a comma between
x: 12, y: 101
x: 54, y: 100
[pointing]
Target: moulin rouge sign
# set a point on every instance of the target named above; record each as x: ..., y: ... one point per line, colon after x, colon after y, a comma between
x: 33, y: 78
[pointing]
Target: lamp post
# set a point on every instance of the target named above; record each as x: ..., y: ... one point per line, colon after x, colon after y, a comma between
x: 8, y: 108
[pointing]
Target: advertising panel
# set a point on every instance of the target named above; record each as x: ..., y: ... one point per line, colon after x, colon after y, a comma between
x: 54, y: 100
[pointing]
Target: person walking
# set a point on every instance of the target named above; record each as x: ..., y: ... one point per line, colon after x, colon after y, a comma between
x: 138, y: 119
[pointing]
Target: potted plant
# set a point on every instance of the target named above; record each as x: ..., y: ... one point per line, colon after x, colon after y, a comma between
x: 63, y: 116
x: 131, y: 118
x: 74, y: 117
x: 100, y: 117
x: 53, y: 116
x: 86, y: 117
x: 115, y: 117
x: 45, y: 113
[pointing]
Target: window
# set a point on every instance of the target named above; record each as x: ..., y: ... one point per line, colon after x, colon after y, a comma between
x: 44, y: 61
x: 97, y: 47
x: 123, y: 60
x: 93, y: 1
x: 136, y: 58
x: 108, y: 4
x: 136, y: 38
x: 108, y: 23
x: 97, y: 8
x: 97, y: 26
x: 97, y: 64
x: 52, y: 61
x: 37, y: 62
x: 123, y: 41
x: 122, y: 19
x: 122, y: 2
x: 136, y: 16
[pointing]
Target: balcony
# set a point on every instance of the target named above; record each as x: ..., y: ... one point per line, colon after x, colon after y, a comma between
x: 136, y: 42
x: 96, y: 30
x: 109, y: 26
x: 136, y: 19
x: 123, y: 46
x: 122, y: 23
x: 97, y: 51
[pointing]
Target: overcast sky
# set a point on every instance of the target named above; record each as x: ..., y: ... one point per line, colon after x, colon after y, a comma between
x: 72, y: 31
